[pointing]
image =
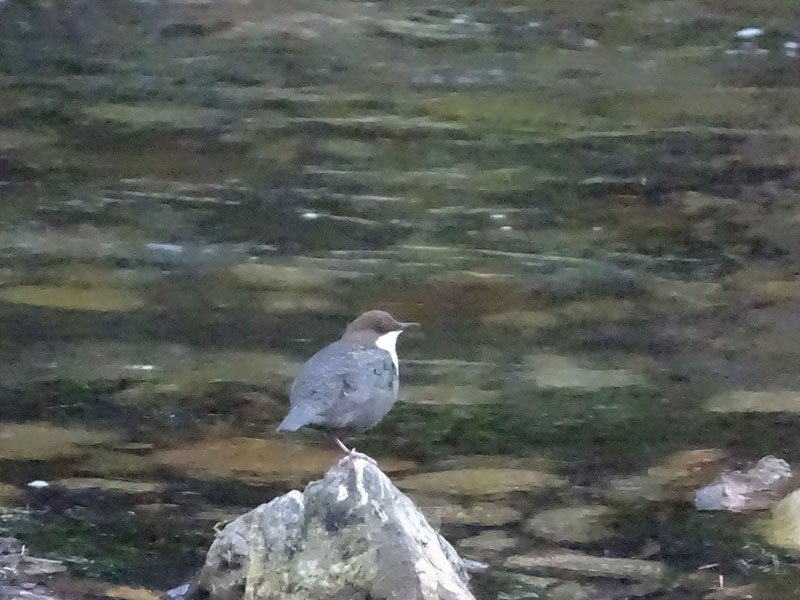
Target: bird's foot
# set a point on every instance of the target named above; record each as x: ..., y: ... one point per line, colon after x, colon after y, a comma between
x: 218, y: 527
x: 353, y: 453
x: 345, y: 449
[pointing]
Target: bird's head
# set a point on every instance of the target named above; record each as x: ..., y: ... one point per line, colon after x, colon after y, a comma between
x: 375, y: 325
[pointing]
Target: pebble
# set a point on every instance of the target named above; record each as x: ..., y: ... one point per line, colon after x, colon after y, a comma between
x: 749, y: 33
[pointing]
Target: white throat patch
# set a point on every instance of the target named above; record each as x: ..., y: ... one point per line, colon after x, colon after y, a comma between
x: 387, y: 342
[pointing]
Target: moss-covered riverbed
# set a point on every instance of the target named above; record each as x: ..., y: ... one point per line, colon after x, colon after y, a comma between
x: 591, y: 206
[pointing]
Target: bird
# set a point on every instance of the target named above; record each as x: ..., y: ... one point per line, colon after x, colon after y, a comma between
x: 352, y: 383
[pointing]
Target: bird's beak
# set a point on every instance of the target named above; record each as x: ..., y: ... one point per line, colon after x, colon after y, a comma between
x: 404, y: 326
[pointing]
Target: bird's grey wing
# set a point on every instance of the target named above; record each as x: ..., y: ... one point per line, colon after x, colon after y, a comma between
x: 317, y: 386
x: 368, y: 390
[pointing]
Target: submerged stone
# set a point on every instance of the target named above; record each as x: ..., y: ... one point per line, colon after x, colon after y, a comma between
x: 576, y: 563
x: 487, y: 543
x: 421, y: 33
x: 256, y: 459
x: 287, y: 276
x: 281, y: 302
x: 42, y: 441
x: 636, y: 488
x: 163, y: 369
x: 553, y: 371
x: 482, y: 514
x: 112, y: 485
x: 674, y: 478
x: 100, y: 299
x: 599, y: 310
x: 783, y: 527
x: 124, y: 592
x: 384, y: 125
x: 523, y: 320
x: 577, y: 524
x: 480, y: 482
x: 9, y: 494
x: 754, y: 402
x: 15, y: 139
x: 453, y: 395
x: 145, y: 116
x: 350, y: 535
x: 521, y: 586
x: 696, y: 295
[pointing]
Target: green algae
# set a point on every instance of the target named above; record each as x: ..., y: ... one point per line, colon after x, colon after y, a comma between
x: 515, y: 176
x: 117, y: 547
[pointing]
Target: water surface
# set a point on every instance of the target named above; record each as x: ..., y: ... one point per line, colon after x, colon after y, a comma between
x: 590, y: 206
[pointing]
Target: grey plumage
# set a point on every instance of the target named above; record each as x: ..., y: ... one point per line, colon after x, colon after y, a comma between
x: 343, y: 389
x: 351, y: 384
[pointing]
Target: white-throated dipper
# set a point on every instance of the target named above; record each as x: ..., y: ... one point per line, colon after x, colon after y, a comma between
x: 351, y: 384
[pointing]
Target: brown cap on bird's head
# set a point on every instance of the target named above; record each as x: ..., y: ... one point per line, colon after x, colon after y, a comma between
x: 375, y: 323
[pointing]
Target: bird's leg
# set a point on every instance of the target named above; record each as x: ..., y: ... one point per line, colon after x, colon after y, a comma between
x: 352, y: 452
x: 345, y: 449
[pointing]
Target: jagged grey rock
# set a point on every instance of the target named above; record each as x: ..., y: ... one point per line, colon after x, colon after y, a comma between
x: 758, y: 488
x: 350, y: 536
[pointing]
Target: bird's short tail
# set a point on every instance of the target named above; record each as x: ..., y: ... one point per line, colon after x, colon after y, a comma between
x: 293, y: 421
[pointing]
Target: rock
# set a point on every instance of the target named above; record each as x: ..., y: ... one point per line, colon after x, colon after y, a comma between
x: 576, y: 563
x: 21, y: 593
x: 283, y: 302
x: 674, y: 478
x: 77, y: 484
x: 579, y: 524
x: 522, y: 586
x: 753, y: 402
x: 138, y: 448
x: 259, y: 460
x: 287, y: 277
x: 569, y: 590
x: 783, y: 527
x: 157, y: 508
x: 482, y: 514
x: 636, y: 488
x: 600, y: 310
x: 350, y: 535
x: 523, y: 320
x: 755, y: 489
x: 123, y: 592
x: 385, y: 125
x: 778, y: 291
x: 15, y: 139
x: 180, y: 592
x: 152, y: 116
x: 9, y: 493
x: 17, y: 564
x: 480, y: 482
x: 10, y: 545
x: 100, y: 299
x: 749, y: 591
x: 586, y: 278
x: 553, y: 371
x: 42, y: 441
x: 454, y: 395
x: 217, y: 514
x: 115, y: 464
x: 421, y: 34
x: 162, y: 369
x: 697, y: 295
x: 687, y: 468
x: 749, y: 33
x: 487, y: 543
